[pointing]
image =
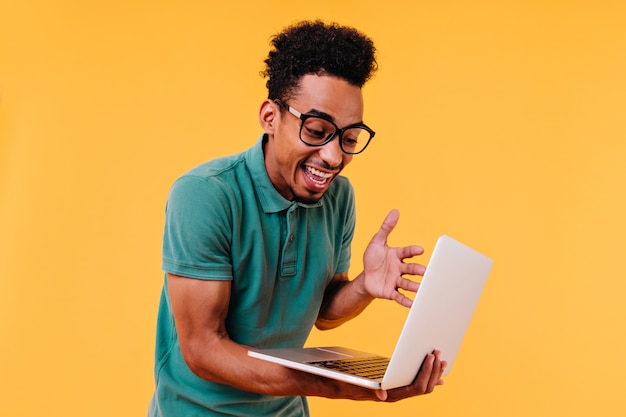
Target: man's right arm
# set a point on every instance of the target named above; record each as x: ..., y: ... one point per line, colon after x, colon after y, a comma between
x: 200, y: 308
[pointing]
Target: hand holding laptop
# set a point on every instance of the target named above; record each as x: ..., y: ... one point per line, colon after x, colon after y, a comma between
x: 429, y: 376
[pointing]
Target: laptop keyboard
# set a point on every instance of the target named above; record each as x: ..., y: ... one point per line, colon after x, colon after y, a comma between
x: 372, y: 367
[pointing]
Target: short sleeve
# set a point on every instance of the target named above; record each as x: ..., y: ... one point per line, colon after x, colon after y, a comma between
x: 198, y: 229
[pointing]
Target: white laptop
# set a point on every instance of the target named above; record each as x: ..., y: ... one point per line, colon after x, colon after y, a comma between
x: 438, y: 319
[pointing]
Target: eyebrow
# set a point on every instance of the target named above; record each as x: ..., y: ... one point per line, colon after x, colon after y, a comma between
x: 315, y: 112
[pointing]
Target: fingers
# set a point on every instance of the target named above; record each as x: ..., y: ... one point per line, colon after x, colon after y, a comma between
x: 381, y: 394
x: 435, y: 375
x: 443, y: 368
x: 407, y: 284
x: 427, y: 379
x: 385, y: 229
x: 402, y: 299
x: 430, y: 374
x: 410, y: 251
x: 412, y: 269
x: 423, y: 377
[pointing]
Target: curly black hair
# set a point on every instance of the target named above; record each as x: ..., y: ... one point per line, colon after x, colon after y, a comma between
x: 314, y: 47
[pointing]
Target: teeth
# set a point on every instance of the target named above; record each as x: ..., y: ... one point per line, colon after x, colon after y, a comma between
x: 318, y: 173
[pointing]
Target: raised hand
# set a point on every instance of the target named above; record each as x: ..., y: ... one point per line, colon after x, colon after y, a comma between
x: 385, y: 268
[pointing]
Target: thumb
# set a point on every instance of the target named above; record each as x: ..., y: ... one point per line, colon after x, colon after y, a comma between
x: 381, y: 394
x: 385, y: 229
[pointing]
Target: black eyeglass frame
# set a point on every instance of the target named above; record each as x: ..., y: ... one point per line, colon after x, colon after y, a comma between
x: 338, y: 131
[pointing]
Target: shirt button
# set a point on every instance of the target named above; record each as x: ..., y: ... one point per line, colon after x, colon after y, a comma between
x: 291, y: 238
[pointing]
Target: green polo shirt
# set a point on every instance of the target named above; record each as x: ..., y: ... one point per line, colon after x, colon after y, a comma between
x: 226, y: 221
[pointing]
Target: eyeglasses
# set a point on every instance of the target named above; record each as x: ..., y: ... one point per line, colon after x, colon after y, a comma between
x: 318, y: 130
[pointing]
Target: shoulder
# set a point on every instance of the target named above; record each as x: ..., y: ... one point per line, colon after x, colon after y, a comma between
x: 217, y: 168
x: 219, y: 178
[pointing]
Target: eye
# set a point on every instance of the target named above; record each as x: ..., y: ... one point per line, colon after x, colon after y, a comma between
x: 314, y: 133
x: 317, y: 130
x: 351, y: 142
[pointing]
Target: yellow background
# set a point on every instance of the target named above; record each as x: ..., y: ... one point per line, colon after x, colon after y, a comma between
x: 501, y: 123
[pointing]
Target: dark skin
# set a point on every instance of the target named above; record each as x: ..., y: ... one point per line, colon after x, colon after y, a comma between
x: 200, y: 307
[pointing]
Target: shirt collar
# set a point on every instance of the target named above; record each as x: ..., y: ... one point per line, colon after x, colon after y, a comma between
x: 270, y: 198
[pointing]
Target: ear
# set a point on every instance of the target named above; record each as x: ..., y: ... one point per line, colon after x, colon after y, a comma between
x: 268, y: 115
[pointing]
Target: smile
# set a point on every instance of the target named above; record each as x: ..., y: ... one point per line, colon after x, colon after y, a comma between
x: 317, y: 176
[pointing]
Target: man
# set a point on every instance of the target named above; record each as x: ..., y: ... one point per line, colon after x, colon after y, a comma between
x: 257, y: 245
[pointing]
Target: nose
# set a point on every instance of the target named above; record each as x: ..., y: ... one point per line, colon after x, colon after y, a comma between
x: 331, y: 153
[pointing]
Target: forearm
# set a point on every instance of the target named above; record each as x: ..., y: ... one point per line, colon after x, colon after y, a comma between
x: 216, y: 358
x: 228, y: 363
x: 200, y: 309
x: 343, y: 302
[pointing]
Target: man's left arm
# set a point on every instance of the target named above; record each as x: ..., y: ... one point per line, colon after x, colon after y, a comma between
x: 384, y: 274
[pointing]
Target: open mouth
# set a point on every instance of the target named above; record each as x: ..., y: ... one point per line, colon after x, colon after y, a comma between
x: 318, y: 177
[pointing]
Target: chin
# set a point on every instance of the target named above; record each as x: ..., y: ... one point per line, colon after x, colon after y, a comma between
x: 308, y: 199
x: 308, y: 196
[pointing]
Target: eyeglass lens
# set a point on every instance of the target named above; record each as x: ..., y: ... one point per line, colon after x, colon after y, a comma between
x: 317, y: 131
